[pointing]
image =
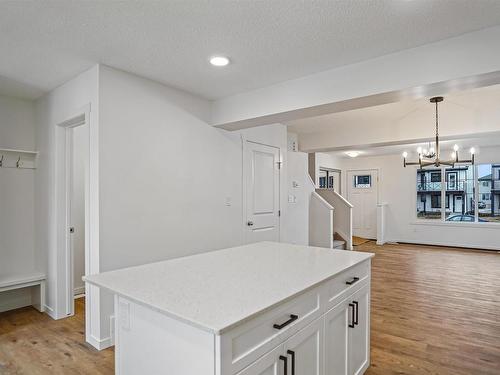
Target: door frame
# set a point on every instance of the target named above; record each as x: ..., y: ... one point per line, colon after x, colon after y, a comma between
x: 244, y: 161
x: 64, y: 306
x: 347, y: 187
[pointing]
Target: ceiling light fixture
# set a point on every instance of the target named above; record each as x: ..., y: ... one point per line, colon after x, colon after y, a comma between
x: 219, y: 60
x: 352, y: 154
x: 431, y: 157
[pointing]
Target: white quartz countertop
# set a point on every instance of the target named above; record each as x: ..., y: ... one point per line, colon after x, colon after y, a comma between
x: 218, y: 290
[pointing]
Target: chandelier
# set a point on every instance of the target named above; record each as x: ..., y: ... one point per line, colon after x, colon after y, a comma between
x: 431, y: 156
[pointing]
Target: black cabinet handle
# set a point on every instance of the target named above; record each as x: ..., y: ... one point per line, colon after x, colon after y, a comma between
x: 292, y: 354
x: 351, y: 325
x: 352, y: 281
x: 283, y: 325
x: 356, y: 315
x: 285, y: 364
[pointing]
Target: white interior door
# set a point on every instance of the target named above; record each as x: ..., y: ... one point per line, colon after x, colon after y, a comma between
x: 262, y: 184
x: 362, y: 193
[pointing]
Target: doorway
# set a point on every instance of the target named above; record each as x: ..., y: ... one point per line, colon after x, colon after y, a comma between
x: 77, y: 143
x: 261, y: 182
x: 75, y: 225
x: 362, y: 193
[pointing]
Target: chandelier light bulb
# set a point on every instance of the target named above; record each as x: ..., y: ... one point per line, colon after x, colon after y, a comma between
x: 419, y: 150
x: 453, y: 155
x: 405, y: 154
x: 431, y: 150
x: 455, y: 148
x: 472, y: 150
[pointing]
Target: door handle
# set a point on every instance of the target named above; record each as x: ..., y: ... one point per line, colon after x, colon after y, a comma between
x: 285, y: 364
x: 249, y: 223
x: 351, y: 325
x: 291, y: 353
x: 283, y: 325
x: 356, y: 315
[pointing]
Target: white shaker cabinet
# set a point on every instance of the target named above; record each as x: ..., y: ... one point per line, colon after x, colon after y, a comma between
x: 359, y: 332
x: 347, y: 335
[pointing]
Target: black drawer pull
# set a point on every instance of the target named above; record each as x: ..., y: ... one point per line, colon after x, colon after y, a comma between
x: 356, y: 315
x: 293, y: 318
x: 351, y: 325
x: 352, y: 281
x: 285, y: 364
x: 292, y: 354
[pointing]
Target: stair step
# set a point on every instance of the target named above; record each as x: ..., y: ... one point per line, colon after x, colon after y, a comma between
x: 337, y: 244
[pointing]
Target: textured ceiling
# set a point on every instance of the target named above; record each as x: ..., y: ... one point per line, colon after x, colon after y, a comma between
x: 45, y: 43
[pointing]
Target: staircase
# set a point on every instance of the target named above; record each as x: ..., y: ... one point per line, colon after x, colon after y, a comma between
x: 330, y: 220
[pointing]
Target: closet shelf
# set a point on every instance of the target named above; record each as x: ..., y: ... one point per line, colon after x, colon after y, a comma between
x: 18, y: 159
x: 18, y: 151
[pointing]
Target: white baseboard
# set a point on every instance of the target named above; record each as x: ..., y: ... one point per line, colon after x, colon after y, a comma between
x: 446, y: 244
x: 100, y: 344
x: 50, y: 312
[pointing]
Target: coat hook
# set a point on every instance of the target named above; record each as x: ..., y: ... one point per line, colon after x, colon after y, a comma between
x: 18, y: 164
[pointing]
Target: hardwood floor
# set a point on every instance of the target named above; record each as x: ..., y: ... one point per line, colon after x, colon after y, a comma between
x: 31, y: 343
x: 434, y: 311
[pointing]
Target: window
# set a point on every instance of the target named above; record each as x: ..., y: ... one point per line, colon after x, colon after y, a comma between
x: 429, y: 194
x: 435, y: 176
x: 363, y: 181
x: 489, y: 192
x: 470, y: 193
x: 329, y: 179
x: 435, y: 201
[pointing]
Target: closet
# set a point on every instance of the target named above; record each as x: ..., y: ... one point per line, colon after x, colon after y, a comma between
x: 22, y: 271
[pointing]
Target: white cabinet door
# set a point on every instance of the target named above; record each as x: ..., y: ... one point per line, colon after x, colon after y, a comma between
x: 273, y: 363
x: 305, y: 350
x: 337, y: 322
x: 359, y: 336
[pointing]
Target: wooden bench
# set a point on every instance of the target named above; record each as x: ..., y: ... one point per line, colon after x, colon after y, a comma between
x: 18, y: 281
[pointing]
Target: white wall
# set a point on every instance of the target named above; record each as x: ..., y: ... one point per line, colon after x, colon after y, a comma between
x: 397, y: 188
x: 51, y: 110
x: 17, y: 131
x: 165, y: 175
x: 299, y: 189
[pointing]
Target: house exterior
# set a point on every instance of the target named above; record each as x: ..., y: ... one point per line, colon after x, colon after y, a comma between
x: 459, y: 191
x: 489, y: 192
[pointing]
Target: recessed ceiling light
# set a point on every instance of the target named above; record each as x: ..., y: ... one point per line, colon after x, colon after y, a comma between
x: 219, y: 60
x: 352, y: 154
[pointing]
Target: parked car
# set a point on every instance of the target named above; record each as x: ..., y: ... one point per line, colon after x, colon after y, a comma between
x: 464, y: 218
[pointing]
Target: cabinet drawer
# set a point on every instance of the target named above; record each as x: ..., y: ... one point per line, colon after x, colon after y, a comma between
x: 342, y: 284
x: 245, y: 343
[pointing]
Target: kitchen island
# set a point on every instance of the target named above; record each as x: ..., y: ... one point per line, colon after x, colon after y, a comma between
x: 264, y: 308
